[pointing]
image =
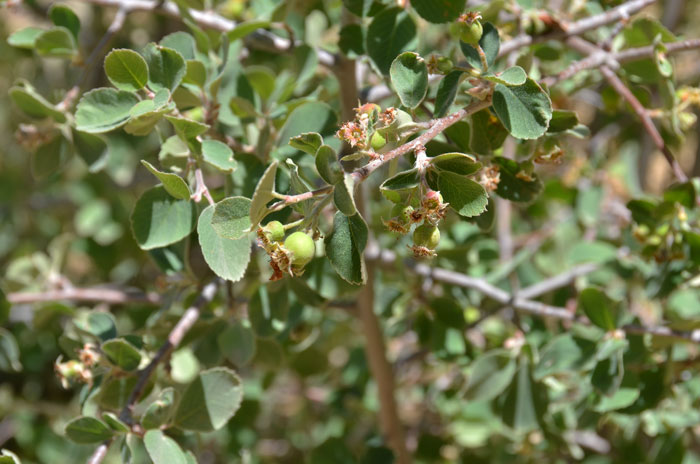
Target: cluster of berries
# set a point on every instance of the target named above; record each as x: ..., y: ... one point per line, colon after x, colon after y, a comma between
x: 287, y: 255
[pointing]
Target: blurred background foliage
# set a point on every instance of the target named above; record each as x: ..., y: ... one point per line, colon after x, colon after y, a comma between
x: 308, y: 395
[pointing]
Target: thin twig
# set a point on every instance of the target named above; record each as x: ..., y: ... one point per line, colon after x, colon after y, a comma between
x: 437, y: 126
x: 578, y: 27
x: 524, y: 305
x: 586, y: 47
x: 557, y: 281
x: 210, y: 20
x: 188, y: 319
x: 92, y: 63
x: 100, y: 452
x: 112, y: 296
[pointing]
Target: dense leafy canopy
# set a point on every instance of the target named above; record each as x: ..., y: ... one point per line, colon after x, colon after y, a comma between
x: 349, y: 231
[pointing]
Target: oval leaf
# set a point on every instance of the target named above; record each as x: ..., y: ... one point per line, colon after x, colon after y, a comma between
x: 345, y: 246
x: 166, y: 67
x: 122, y: 354
x: 159, y: 219
x: 126, y: 70
x: 219, y: 155
x: 409, y: 75
x: 172, y: 183
x: 391, y: 32
x: 464, y: 195
x: 525, y: 110
x: 163, y: 449
x: 102, y: 110
x: 210, y: 401
x: 87, y: 430
x: 227, y: 258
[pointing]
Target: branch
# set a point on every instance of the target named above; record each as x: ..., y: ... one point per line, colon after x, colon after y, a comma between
x: 437, y: 126
x: 292, y: 199
x: 98, y: 51
x: 176, y: 335
x: 579, y: 27
x: 586, y: 47
x: 110, y: 296
x: 601, y: 57
x: 100, y: 452
x: 211, y: 20
x: 524, y: 305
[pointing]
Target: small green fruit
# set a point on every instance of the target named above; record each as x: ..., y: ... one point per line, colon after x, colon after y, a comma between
x: 402, y: 212
x: 302, y: 248
x: 378, y: 141
x: 444, y: 65
x: 471, y: 32
x: 427, y: 236
x: 274, y: 231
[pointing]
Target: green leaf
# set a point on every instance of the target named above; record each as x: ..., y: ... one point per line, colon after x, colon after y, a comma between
x: 448, y: 312
x: 163, y: 449
x: 237, y: 344
x: 591, y: 252
x: 181, y: 42
x: 401, y: 182
x: 525, y: 401
x: 268, y: 312
x: 308, y: 142
x: 446, y: 93
x: 33, y: 104
x: 126, y: 70
x: 172, y: 183
x: 490, y: 43
x: 513, y: 185
x: 489, y: 376
x: 159, y: 219
x: 122, y: 354
x: 8, y: 457
x: 4, y: 307
x: 487, y: 133
x: 308, y: 117
x: 327, y: 165
x: 439, y: 11
x: 160, y: 411
x: 115, y: 423
x: 263, y: 195
x: 684, y: 308
x: 210, y: 401
x: 510, y: 77
x: 390, y: 33
x: 345, y: 247
x: 103, y: 110
x: 57, y: 42
x: 196, y: 74
x: 187, y: 129
x: 227, y: 258
x: 219, y: 155
x: 99, y: 324
x: 344, y: 195
x: 352, y: 40
x: 565, y: 354
x: 166, y: 67
x: 409, y: 75
x: 245, y: 28
x: 147, y: 113
x: 458, y: 163
x: 9, y: 352
x: 231, y: 218
x: 61, y: 15
x: 464, y: 195
x: 562, y: 120
x: 525, y: 110
x: 86, y: 430
x: 598, y: 308
x: 25, y: 38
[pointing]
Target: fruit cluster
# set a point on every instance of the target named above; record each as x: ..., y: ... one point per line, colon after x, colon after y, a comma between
x: 288, y: 256
x: 430, y: 212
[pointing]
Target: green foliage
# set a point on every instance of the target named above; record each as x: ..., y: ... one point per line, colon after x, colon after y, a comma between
x: 527, y: 285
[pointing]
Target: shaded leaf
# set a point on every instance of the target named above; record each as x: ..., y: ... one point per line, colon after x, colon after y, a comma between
x: 226, y: 257
x: 345, y: 246
x: 209, y: 401
x: 391, y: 32
x: 86, y: 430
x: 464, y: 195
x: 159, y: 219
x: 409, y: 76
x: 172, y: 183
x: 122, y: 354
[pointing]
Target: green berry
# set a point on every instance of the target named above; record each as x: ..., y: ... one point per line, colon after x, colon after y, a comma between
x: 378, y: 141
x: 274, y: 231
x: 402, y: 212
x: 444, y: 64
x: 302, y: 248
x: 427, y: 236
x: 471, y: 33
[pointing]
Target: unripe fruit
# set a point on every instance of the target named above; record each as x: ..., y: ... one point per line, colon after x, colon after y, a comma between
x: 402, y: 213
x: 427, y: 236
x: 302, y: 248
x: 444, y: 64
x: 274, y: 231
x: 378, y: 141
x: 471, y: 32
